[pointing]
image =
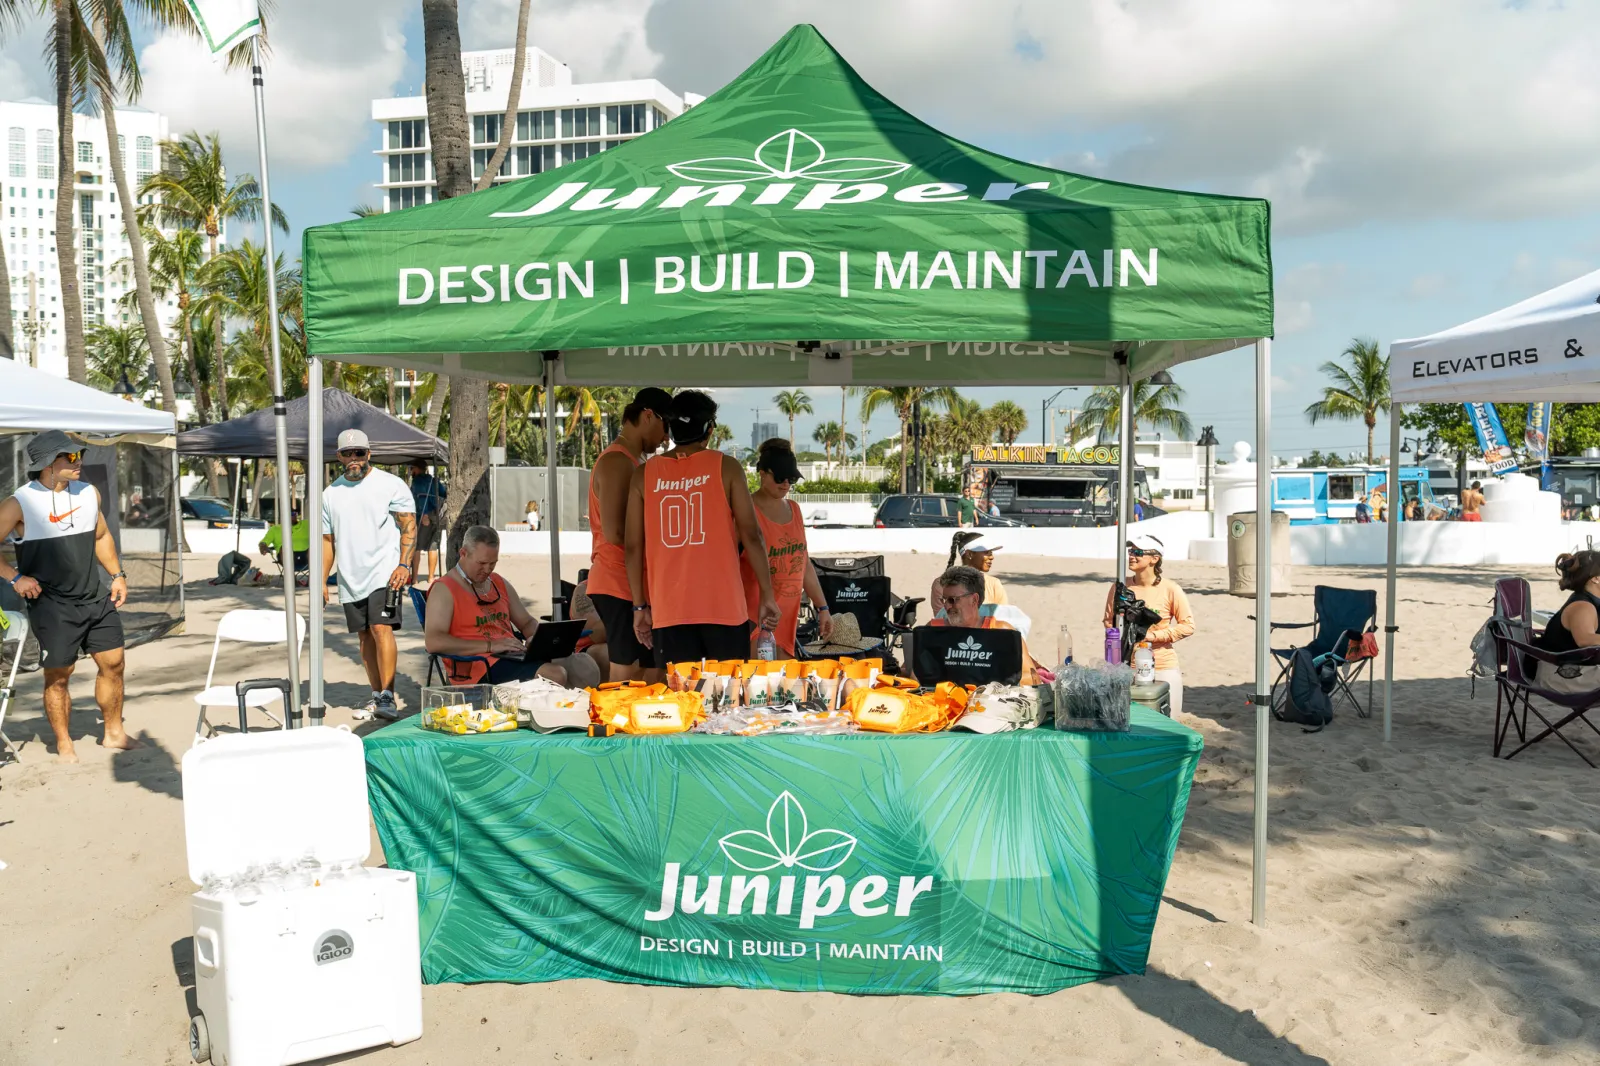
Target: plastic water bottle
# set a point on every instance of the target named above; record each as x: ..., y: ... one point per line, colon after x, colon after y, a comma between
x: 1113, y: 645
x: 1064, y: 647
x: 1144, y: 664
x: 766, y: 646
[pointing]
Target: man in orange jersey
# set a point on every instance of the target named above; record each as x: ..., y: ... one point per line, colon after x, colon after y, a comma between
x: 689, y: 512
x: 644, y: 428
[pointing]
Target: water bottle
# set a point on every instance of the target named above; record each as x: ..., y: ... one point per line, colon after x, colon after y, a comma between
x: 1113, y: 645
x: 766, y: 646
x: 1064, y: 648
x: 1144, y: 664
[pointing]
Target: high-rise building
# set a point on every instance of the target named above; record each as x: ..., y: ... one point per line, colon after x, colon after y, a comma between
x: 763, y: 431
x: 28, y: 198
x: 558, y: 121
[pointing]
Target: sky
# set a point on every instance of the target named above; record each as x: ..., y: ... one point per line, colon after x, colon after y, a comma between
x: 1427, y: 161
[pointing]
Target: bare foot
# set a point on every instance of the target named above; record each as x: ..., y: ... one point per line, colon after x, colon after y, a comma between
x: 66, y: 753
x: 120, y: 742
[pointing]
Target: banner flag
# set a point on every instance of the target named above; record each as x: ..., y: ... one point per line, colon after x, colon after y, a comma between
x: 1536, y: 435
x: 225, y: 23
x: 1491, y: 437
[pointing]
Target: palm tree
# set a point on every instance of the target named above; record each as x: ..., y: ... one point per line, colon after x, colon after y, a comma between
x: 1155, y: 406
x: 365, y: 210
x: 113, y: 351
x: 1360, y: 387
x: 965, y: 426
x: 513, y: 405
x: 903, y: 401
x: 174, y: 262
x: 827, y: 435
x: 1006, y: 421
x: 194, y: 191
x: 583, y: 406
x: 59, y: 56
x: 793, y: 403
x: 513, y: 98
x: 720, y: 435
x: 445, y: 85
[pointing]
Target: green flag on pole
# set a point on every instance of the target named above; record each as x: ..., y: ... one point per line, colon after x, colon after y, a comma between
x: 225, y: 23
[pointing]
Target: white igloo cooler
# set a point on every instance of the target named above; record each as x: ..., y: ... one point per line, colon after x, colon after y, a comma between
x: 300, y: 952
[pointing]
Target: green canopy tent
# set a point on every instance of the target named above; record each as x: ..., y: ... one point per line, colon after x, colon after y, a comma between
x: 798, y: 228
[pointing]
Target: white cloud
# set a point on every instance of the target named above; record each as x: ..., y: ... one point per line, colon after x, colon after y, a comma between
x: 1428, y: 286
x: 600, y: 39
x: 326, y: 65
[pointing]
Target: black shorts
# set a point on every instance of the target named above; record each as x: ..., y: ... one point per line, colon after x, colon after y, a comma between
x: 691, y: 643
x: 428, y: 534
x: 623, y: 647
x: 65, y: 629
x: 363, y: 614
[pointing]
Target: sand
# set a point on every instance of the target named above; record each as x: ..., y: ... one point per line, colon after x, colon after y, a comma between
x: 1427, y: 903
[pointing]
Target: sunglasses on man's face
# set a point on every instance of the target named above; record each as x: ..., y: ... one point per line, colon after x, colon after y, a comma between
x: 948, y: 602
x: 352, y: 453
x: 71, y: 457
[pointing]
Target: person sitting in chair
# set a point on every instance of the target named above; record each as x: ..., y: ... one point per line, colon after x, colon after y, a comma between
x: 474, y: 611
x: 1576, y: 625
x: 958, y: 595
x: 299, y: 543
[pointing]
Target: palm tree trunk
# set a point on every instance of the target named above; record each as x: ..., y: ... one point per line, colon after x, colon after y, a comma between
x: 436, y: 402
x: 141, y: 264
x: 66, y: 239
x: 451, y: 140
x: 513, y: 99
x: 388, y: 388
x: 219, y: 362
x: 903, y: 450
x: 1372, y: 422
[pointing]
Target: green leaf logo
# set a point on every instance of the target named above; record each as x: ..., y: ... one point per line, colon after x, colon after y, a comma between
x: 787, y: 156
x: 788, y: 842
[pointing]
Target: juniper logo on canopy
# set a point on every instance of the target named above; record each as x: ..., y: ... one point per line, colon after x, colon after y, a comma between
x: 788, y: 843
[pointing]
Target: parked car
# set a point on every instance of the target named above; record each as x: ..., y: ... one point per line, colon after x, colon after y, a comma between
x: 928, y: 512
x: 215, y: 513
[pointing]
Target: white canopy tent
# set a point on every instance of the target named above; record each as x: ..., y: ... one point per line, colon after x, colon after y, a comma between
x: 32, y: 401
x: 1537, y: 350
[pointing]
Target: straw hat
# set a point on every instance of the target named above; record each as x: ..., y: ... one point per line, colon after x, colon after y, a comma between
x: 846, y: 639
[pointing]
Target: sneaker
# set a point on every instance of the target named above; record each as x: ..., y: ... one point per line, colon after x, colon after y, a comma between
x: 384, y: 707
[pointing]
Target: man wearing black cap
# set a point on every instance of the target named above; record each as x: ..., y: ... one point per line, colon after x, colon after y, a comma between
x: 60, y: 535
x: 689, y: 513
x: 644, y: 428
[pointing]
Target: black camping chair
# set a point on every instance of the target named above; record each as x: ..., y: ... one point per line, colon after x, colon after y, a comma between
x: 966, y: 656
x: 1340, y: 617
x: 878, y: 611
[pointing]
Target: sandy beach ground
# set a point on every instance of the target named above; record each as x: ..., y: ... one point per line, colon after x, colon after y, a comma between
x: 1427, y: 904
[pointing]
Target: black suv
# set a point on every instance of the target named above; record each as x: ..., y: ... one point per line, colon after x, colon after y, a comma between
x: 928, y: 512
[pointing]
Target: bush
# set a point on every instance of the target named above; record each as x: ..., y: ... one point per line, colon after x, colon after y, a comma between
x: 834, y: 486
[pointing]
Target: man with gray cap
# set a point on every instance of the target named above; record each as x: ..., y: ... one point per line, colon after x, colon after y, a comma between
x: 60, y: 535
x: 370, y: 517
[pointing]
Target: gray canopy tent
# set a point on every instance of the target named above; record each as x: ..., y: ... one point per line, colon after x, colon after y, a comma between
x: 1048, y: 278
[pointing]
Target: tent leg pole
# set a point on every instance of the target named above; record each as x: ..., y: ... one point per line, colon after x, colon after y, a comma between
x: 1390, y: 628
x: 1263, y: 698
x: 1124, y: 472
x: 552, y: 504
x: 177, y: 528
x: 314, y: 475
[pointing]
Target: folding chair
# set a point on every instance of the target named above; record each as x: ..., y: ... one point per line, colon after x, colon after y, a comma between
x: 244, y: 627
x: 16, y: 630
x: 1340, y: 617
x: 1520, y: 680
x: 436, y: 660
x: 1513, y: 601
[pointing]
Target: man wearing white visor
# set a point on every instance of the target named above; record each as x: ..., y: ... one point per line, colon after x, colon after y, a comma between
x: 370, y: 517
x: 1163, y: 596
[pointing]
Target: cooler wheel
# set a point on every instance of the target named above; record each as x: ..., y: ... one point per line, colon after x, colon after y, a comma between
x: 199, y: 1039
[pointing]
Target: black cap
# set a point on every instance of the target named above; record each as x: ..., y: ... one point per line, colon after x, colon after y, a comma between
x: 649, y: 398
x: 781, y: 464
x: 691, y: 417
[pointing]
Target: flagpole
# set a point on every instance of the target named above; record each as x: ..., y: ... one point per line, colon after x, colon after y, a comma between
x: 285, y: 516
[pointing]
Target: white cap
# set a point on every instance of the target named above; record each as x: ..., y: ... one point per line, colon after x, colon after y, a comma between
x: 352, y: 438
x: 1148, y: 543
x: 981, y: 546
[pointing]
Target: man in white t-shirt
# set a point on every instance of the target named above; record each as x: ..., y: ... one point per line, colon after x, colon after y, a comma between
x: 371, y: 518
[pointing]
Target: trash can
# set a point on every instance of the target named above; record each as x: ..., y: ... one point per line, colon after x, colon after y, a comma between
x: 1242, y: 554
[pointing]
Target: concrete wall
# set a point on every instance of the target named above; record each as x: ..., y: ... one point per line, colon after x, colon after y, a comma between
x: 1439, y: 543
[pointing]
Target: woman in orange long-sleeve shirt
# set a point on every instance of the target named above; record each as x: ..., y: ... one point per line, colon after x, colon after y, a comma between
x: 1163, y: 596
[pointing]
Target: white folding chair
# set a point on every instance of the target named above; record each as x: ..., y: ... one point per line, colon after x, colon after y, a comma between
x: 16, y: 630
x: 244, y: 627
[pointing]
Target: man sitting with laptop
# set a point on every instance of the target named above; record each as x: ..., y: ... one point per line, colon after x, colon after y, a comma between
x: 473, y: 611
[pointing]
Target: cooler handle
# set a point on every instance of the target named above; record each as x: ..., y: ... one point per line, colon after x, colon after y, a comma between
x: 291, y: 707
x: 205, y: 937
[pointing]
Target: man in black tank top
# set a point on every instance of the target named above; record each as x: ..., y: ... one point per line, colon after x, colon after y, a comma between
x: 60, y: 535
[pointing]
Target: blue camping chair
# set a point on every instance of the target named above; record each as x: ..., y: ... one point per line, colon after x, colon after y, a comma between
x: 1340, y: 616
x: 419, y: 604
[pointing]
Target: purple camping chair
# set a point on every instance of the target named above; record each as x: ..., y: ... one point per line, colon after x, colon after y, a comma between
x: 1520, y: 683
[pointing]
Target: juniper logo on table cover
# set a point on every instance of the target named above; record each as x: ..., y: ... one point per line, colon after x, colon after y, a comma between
x: 787, y: 842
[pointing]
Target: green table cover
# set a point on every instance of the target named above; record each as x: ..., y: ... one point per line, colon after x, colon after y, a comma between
x: 951, y: 863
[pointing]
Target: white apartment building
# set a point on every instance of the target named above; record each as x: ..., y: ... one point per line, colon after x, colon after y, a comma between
x: 1176, y: 469
x: 29, y: 218
x: 558, y: 121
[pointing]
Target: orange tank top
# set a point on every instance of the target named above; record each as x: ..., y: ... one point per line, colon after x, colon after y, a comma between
x: 691, y: 548
x: 608, y: 562
x: 471, y: 620
x: 786, y: 560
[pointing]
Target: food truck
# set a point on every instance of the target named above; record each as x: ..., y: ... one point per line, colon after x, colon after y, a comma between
x: 1043, y: 485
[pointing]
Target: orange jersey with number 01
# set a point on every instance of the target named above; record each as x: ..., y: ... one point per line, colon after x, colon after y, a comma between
x: 691, y: 549
x: 608, y: 559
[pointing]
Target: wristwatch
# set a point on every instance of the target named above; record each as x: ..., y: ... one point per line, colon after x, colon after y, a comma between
x: 640, y: 607
x: 120, y: 573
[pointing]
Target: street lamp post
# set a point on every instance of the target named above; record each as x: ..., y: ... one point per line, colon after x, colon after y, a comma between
x: 1208, y: 441
x: 1044, y: 415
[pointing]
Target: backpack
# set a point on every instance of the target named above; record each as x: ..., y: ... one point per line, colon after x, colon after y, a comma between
x: 1307, y: 702
x: 231, y: 567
